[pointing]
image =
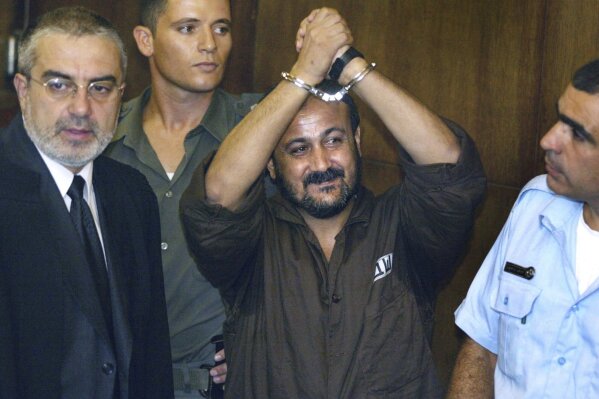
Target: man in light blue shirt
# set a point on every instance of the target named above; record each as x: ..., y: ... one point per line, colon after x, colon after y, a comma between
x: 531, y: 314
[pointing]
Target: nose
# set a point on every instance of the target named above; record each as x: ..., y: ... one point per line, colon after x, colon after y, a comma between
x: 206, y: 42
x: 551, y: 141
x: 319, y: 160
x: 80, y: 103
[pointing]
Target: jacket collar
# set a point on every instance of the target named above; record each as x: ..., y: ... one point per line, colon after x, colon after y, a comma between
x: 17, y: 147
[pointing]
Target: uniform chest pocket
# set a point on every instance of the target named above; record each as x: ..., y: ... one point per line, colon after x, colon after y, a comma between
x: 514, y: 303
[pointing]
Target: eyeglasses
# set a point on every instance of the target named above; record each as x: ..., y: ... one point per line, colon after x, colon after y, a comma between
x: 61, y: 88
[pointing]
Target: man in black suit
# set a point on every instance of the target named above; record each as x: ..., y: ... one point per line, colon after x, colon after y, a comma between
x: 82, y: 310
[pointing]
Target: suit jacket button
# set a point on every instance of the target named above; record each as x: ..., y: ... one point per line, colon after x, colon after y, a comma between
x: 108, y: 368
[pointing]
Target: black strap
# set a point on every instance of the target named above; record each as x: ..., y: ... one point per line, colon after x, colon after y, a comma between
x: 341, y: 62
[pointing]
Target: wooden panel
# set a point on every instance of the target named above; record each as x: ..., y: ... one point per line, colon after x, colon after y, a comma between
x: 462, y: 58
x: 491, y: 218
x: 240, y: 69
x: 275, y: 32
x: 9, y: 21
x: 7, y: 17
x: 477, y: 62
x: 125, y: 15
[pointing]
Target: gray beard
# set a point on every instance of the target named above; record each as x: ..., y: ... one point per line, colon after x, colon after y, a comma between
x: 49, y: 142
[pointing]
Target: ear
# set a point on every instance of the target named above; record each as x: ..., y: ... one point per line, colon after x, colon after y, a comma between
x: 144, y: 40
x: 22, y: 88
x: 271, y: 169
x: 357, y: 140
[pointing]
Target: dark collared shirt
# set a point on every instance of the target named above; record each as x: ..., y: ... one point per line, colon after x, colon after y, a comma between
x: 358, y: 325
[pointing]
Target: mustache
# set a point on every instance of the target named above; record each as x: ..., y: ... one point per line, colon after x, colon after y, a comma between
x: 78, y: 122
x: 322, y: 177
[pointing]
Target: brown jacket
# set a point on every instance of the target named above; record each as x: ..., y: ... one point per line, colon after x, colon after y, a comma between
x: 358, y: 326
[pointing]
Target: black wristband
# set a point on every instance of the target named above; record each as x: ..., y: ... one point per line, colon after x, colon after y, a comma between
x: 342, y: 61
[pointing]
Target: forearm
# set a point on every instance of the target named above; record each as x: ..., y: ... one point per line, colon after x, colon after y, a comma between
x: 417, y: 129
x: 245, y: 152
x: 473, y: 373
x: 242, y: 157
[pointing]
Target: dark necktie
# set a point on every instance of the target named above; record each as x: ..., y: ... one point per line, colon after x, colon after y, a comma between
x: 86, y: 227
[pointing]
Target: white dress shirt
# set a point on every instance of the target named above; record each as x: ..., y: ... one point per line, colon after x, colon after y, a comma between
x: 63, y: 178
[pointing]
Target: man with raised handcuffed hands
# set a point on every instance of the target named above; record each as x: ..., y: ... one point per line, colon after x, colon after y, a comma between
x: 329, y: 290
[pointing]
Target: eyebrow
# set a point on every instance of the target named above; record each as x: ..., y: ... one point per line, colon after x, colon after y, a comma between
x: 56, y: 74
x: 185, y: 21
x: 333, y: 129
x: 223, y: 21
x: 196, y: 20
x: 323, y: 134
x: 575, y: 126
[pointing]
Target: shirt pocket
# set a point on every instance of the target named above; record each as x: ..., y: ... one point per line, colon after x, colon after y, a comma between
x: 514, y: 303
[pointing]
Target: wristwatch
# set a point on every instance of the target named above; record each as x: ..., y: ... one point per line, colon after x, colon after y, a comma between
x: 342, y: 61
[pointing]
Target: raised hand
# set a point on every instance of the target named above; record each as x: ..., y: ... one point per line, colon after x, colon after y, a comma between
x: 322, y: 36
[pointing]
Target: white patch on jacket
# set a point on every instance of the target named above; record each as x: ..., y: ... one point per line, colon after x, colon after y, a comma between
x: 383, y: 266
